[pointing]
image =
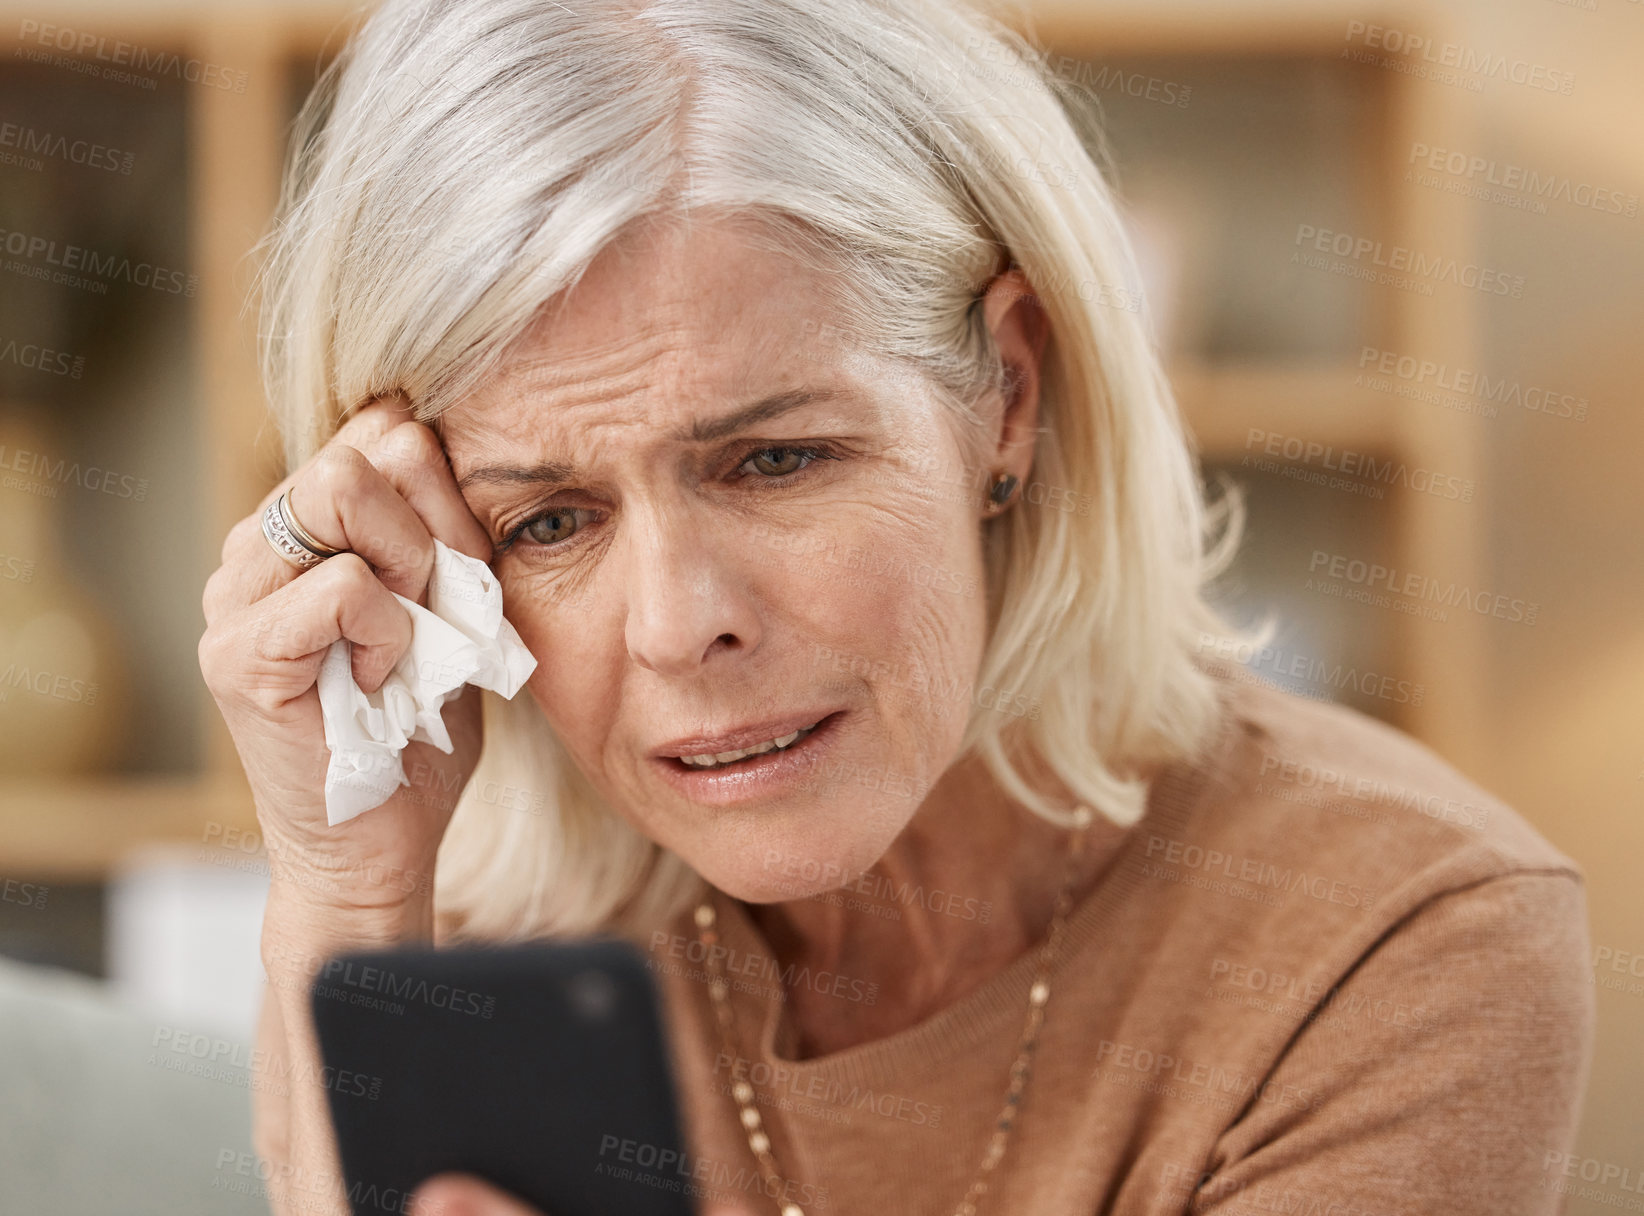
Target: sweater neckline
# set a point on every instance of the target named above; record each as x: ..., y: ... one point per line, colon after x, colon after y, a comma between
x: 1174, y: 797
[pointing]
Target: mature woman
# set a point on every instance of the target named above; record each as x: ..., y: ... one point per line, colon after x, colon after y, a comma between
x: 780, y: 359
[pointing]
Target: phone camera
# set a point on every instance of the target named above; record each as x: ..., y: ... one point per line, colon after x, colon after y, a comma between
x: 593, y: 994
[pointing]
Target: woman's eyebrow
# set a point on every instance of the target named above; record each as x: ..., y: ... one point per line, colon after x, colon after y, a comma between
x: 706, y: 431
x: 701, y: 430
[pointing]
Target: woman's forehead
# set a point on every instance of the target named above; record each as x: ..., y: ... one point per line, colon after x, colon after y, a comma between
x: 533, y: 421
x: 703, y: 274
x: 693, y: 393
x: 668, y: 382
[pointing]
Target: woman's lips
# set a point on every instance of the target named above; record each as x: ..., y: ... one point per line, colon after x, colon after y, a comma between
x: 745, y: 736
x: 754, y: 777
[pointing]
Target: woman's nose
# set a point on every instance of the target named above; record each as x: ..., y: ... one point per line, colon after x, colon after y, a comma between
x: 688, y: 600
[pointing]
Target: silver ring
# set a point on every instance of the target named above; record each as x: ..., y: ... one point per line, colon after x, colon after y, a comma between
x: 290, y: 539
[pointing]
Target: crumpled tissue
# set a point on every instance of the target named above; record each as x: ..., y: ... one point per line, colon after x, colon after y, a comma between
x: 460, y: 638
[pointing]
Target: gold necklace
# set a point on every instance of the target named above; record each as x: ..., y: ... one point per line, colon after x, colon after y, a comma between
x: 1038, y: 997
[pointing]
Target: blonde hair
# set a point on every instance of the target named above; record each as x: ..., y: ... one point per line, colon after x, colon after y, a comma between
x: 463, y: 161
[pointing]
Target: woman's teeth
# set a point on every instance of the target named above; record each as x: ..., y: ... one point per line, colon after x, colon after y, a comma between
x: 716, y: 759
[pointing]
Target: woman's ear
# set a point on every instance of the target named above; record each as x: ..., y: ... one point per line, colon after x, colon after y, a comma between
x: 1020, y: 329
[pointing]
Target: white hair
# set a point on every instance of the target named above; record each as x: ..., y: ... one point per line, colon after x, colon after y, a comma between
x: 462, y: 162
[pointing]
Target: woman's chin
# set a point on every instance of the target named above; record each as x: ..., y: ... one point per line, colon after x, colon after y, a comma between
x: 780, y: 875
x: 764, y: 891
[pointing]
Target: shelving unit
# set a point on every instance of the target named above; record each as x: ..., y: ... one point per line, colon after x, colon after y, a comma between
x: 1314, y: 395
x: 77, y: 828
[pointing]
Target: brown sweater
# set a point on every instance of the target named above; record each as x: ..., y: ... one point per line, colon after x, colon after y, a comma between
x: 1324, y: 974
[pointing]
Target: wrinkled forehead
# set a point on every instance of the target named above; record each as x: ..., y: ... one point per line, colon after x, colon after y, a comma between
x: 670, y: 334
x: 675, y: 384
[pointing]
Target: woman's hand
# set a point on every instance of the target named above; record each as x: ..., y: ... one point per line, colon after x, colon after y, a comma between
x: 382, y: 490
x: 467, y: 1195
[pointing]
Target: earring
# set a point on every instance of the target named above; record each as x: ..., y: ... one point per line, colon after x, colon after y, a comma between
x: 999, y: 495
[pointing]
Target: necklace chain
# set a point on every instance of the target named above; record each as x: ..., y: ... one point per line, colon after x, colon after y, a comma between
x: 1038, y: 997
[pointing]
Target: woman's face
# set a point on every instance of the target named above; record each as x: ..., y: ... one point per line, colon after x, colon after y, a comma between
x: 697, y: 572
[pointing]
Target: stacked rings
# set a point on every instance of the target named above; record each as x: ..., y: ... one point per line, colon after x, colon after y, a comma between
x: 290, y: 539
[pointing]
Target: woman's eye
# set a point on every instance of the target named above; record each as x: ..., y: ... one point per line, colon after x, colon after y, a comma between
x: 551, y: 527
x: 779, y: 462
x: 556, y: 525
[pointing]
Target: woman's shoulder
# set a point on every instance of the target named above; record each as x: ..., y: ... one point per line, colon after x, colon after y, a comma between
x: 1392, y: 949
x: 1312, y: 778
x: 1310, y: 817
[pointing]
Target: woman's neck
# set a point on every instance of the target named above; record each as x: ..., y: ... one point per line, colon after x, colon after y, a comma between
x: 967, y: 887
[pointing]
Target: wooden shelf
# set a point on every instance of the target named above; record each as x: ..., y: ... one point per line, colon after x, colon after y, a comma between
x: 79, y: 830
x: 1209, y: 27
x: 1316, y: 402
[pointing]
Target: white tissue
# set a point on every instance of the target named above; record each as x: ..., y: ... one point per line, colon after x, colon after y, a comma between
x: 459, y: 638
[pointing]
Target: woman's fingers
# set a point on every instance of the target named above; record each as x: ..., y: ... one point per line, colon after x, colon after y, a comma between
x: 344, y: 502
x: 466, y: 1195
x: 271, y: 652
x: 411, y: 458
x: 381, y: 488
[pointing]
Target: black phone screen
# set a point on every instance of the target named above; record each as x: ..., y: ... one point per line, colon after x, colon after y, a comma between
x: 541, y: 1067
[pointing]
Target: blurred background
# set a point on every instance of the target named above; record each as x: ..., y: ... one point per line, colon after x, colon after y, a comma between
x: 1394, y: 255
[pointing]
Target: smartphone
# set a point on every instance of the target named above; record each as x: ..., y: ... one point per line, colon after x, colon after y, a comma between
x: 541, y: 1067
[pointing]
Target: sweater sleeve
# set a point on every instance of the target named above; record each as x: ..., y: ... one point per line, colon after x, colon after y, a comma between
x: 1444, y: 1073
